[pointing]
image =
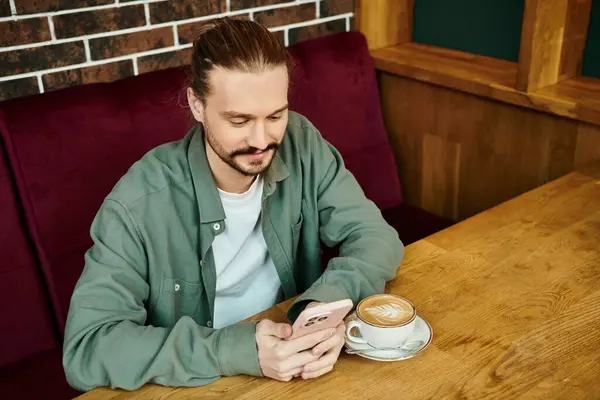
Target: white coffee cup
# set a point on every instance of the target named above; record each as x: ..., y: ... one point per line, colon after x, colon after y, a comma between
x: 388, y: 335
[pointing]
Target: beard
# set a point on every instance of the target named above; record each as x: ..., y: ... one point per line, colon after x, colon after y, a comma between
x: 252, y: 168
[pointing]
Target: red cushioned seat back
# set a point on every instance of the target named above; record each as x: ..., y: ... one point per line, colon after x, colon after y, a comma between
x: 26, y: 325
x: 69, y: 149
x: 335, y: 87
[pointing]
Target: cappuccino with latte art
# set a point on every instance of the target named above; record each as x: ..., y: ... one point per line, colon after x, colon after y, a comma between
x: 384, y: 321
x: 386, y: 310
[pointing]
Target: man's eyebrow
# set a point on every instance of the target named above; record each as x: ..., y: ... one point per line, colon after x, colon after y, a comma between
x: 280, y: 110
x: 235, y: 114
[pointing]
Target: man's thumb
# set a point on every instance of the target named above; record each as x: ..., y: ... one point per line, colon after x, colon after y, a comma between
x: 282, y: 331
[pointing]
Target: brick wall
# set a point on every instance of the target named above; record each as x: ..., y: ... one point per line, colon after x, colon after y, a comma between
x: 53, y: 44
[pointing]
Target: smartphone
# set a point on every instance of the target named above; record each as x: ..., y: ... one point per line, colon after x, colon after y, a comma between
x: 323, y: 316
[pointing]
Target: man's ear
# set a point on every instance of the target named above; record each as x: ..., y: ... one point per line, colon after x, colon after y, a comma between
x: 195, y: 105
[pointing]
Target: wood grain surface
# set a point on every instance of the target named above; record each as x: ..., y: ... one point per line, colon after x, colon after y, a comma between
x: 487, y: 77
x: 459, y: 154
x: 512, y: 294
x: 384, y: 22
x: 575, y: 37
x: 552, y: 41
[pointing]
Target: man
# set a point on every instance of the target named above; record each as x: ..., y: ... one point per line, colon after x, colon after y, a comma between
x: 207, y: 231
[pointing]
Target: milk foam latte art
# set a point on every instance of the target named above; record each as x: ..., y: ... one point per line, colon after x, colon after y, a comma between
x: 388, y: 314
x: 386, y: 310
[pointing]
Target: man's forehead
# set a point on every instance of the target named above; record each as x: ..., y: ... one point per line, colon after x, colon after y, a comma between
x: 248, y: 92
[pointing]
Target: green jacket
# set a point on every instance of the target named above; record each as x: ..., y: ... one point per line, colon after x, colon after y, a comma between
x: 142, y: 308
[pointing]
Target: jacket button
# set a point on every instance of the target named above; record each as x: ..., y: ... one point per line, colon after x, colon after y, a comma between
x: 217, y: 226
x: 209, y: 324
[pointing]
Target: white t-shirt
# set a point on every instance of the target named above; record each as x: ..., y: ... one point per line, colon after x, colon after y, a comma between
x: 247, y: 281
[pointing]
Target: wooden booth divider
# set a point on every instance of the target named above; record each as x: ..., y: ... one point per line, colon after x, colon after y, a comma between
x: 470, y: 131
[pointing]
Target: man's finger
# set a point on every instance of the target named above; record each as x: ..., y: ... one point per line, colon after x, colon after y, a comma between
x: 297, y: 361
x: 332, y: 342
x: 268, y: 327
x: 293, y: 373
x: 325, y: 346
x: 312, y: 375
x: 305, y: 342
x: 328, y: 359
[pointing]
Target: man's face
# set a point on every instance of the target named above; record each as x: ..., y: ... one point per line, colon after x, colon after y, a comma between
x: 245, y: 117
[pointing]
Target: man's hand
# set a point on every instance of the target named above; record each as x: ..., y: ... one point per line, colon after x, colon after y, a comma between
x: 282, y: 360
x: 327, y: 351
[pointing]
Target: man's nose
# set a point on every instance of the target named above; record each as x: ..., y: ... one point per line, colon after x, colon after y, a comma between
x: 259, y: 137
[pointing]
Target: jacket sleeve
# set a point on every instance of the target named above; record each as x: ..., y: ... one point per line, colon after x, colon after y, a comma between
x: 370, y: 251
x: 106, y: 342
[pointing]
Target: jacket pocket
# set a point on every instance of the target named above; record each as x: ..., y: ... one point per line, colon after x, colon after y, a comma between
x: 178, y: 298
x: 296, y: 231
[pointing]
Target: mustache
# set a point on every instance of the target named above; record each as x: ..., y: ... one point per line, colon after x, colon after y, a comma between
x: 252, y: 150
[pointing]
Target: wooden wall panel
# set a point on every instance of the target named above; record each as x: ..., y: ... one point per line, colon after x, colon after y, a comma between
x: 442, y: 176
x: 459, y: 154
x: 588, y: 145
x: 384, y: 22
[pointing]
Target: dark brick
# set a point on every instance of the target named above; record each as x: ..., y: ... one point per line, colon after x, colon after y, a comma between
x: 183, y: 9
x: 164, y: 60
x: 187, y: 33
x: 286, y: 15
x: 90, y: 22
x: 24, y: 31
x: 18, y: 88
x: 99, y: 73
x: 40, y: 58
x: 309, y: 32
x: 242, y: 4
x: 336, y: 7
x: 39, y: 6
x: 120, y: 45
x: 5, y: 8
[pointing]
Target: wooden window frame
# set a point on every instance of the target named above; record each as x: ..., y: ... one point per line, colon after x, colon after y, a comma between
x: 547, y: 76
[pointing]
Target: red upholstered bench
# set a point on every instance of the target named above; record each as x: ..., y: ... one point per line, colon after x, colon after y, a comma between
x: 30, y: 353
x: 62, y: 152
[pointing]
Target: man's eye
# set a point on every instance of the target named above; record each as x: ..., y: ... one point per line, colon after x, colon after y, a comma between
x: 275, y: 117
x: 239, y: 123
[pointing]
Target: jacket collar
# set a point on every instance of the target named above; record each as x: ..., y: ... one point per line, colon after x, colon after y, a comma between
x: 276, y: 172
x: 207, y: 195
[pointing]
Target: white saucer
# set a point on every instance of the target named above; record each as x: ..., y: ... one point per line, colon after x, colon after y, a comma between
x: 422, y: 332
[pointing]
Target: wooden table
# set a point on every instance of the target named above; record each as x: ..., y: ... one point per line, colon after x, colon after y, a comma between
x: 512, y: 294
